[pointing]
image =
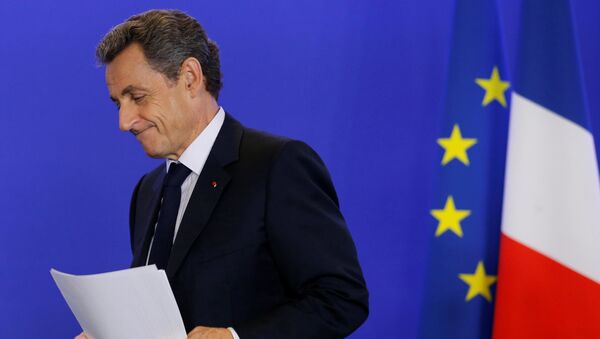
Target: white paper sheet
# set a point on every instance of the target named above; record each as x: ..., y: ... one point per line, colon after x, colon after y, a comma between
x: 128, y: 304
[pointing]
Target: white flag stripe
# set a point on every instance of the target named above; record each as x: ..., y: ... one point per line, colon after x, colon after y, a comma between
x: 552, y: 192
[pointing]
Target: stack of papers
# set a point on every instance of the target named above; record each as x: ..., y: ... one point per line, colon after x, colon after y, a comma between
x: 132, y: 303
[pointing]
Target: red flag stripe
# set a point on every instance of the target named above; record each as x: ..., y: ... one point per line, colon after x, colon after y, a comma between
x: 537, y: 297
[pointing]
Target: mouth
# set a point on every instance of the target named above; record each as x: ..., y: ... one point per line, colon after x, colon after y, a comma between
x: 137, y: 132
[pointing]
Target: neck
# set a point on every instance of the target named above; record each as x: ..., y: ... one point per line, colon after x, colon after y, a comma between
x: 205, y: 114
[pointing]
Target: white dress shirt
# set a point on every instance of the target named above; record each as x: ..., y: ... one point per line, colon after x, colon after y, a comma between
x: 194, y: 157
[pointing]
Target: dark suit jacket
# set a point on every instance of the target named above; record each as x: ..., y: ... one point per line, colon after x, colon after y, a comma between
x: 262, y: 246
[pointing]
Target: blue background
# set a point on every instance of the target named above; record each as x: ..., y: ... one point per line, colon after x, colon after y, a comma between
x: 363, y: 82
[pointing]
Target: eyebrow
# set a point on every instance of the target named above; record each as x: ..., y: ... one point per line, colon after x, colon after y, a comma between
x: 127, y: 90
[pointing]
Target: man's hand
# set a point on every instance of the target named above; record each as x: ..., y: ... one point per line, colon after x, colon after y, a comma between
x: 197, y: 333
x: 201, y: 332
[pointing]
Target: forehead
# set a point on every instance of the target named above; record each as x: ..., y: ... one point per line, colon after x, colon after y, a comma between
x: 129, y: 68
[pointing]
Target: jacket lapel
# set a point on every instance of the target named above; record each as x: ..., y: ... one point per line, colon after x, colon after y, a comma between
x: 210, y: 185
x: 149, y: 213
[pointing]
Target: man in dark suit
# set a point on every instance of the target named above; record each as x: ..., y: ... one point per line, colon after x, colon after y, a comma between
x: 246, y: 224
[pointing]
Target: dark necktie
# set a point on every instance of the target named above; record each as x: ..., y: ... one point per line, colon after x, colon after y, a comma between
x: 165, y: 228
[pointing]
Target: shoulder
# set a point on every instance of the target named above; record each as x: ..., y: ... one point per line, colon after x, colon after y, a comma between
x: 286, y: 161
x: 264, y: 144
x: 261, y: 142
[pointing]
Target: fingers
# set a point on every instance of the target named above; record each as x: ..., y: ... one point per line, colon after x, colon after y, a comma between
x: 201, y: 332
x: 197, y: 332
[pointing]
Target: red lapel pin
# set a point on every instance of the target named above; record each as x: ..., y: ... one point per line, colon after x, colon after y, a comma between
x: 214, y: 184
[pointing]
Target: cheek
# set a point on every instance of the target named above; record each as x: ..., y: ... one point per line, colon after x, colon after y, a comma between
x: 168, y: 113
x: 179, y: 105
x: 156, y: 114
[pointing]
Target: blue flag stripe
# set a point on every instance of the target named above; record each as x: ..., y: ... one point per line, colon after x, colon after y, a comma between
x: 552, y: 80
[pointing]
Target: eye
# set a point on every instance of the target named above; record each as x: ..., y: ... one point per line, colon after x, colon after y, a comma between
x: 138, y: 98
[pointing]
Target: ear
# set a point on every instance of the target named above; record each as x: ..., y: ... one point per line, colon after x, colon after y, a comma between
x: 191, y: 76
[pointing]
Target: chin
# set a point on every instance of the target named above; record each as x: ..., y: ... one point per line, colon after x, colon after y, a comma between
x: 153, y: 152
x: 155, y: 155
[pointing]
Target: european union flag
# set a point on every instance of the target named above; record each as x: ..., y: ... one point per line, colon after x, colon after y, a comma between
x: 466, y: 209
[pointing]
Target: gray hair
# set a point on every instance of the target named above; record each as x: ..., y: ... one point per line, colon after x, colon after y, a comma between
x: 167, y: 37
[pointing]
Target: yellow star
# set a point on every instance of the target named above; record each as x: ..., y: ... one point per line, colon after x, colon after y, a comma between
x: 449, y: 218
x: 456, y: 146
x: 479, y: 283
x: 494, y: 88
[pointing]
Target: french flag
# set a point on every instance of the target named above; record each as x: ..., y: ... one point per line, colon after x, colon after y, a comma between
x: 549, y: 268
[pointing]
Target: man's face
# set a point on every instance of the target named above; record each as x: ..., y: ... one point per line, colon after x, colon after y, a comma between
x: 153, y: 108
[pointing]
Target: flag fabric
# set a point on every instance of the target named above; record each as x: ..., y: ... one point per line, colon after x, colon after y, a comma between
x: 549, y: 278
x: 465, y: 212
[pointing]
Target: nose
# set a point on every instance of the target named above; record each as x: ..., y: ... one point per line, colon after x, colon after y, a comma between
x: 127, y: 117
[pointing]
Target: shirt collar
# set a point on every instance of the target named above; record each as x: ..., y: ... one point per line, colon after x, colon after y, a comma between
x: 197, y: 152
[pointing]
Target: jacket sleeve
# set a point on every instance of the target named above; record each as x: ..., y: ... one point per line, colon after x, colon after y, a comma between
x: 313, y: 251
